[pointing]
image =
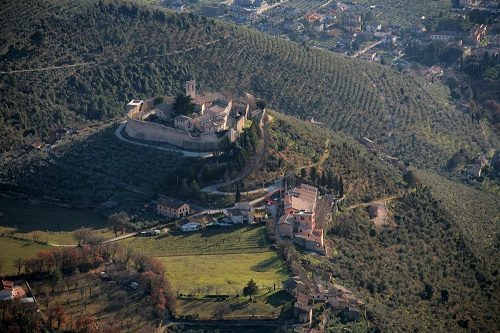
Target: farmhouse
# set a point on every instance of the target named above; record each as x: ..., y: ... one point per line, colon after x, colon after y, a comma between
x: 214, y: 119
x: 171, y: 207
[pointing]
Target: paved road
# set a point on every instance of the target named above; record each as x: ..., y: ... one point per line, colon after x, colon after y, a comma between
x: 118, y: 133
x: 360, y: 52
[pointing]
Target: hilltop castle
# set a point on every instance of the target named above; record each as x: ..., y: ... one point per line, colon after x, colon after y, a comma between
x: 214, y: 119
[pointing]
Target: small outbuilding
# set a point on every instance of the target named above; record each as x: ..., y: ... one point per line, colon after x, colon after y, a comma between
x: 191, y: 226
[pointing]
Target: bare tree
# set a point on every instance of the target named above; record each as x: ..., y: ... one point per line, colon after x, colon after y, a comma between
x: 18, y: 263
x: 82, y: 235
x: 36, y: 235
x: 118, y: 222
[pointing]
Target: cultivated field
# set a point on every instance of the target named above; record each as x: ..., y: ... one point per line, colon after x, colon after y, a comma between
x: 219, y: 262
x: 209, y: 241
x: 476, y: 213
x: 11, y: 249
x: 106, y: 301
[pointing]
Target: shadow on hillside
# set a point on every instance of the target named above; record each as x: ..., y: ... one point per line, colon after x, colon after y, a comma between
x: 266, y: 264
x: 279, y: 298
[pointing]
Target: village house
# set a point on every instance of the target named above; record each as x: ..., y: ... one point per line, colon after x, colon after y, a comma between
x: 373, y: 27
x: 294, y: 286
x: 242, y: 213
x: 191, y: 226
x: 302, y: 309
x: 212, y: 11
x: 248, y: 10
x: 476, y: 170
x: 351, y: 314
x: 442, y: 36
x: 178, y: 6
x: 478, y: 33
x: 370, y: 55
x: 10, y: 291
x: 172, y: 208
x: 352, y: 23
x: 298, y: 221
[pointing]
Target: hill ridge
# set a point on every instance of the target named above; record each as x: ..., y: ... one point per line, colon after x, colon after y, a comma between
x: 357, y: 98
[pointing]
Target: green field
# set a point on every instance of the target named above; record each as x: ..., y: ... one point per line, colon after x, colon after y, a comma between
x: 270, y: 305
x: 214, y: 241
x: 215, y: 261
x: 224, y: 273
x: 54, y: 224
x: 11, y: 249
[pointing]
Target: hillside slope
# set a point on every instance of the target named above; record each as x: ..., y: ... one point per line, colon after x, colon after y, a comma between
x: 475, y: 213
x: 420, y: 276
x: 109, y: 52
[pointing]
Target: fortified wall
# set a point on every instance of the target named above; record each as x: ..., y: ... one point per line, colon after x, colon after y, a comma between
x: 146, y: 130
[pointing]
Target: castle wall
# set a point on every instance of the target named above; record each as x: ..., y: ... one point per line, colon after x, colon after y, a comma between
x: 144, y: 130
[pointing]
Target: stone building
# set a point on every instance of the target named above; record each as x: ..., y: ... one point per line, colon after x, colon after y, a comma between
x: 299, y: 218
x: 171, y: 207
x: 215, y: 118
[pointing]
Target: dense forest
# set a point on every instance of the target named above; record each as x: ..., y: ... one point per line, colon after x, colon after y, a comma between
x: 127, y: 51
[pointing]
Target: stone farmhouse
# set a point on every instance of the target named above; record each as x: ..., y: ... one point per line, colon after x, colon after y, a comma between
x: 215, y: 118
x: 337, y: 297
x: 299, y: 218
x: 172, y: 208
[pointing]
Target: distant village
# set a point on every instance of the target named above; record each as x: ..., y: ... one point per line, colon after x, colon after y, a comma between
x: 353, y: 29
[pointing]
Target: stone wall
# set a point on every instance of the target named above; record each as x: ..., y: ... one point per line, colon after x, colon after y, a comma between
x: 150, y: 131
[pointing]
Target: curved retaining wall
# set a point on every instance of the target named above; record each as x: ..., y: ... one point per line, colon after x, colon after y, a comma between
x: 150, y: 131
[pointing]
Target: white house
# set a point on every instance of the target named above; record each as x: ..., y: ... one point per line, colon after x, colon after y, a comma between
x: 236, y: 216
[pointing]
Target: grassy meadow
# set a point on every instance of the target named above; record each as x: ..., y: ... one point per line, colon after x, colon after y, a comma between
x: 273, y: 304
x: 224, y: 273
x: 12, y: 249
x: 215, y: 261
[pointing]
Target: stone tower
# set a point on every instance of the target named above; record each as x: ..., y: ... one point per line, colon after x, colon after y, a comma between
x: 191, y: 88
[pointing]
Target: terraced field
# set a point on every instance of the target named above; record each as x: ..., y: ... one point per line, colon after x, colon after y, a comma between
x: 216, y: 241
x: 476, y: 213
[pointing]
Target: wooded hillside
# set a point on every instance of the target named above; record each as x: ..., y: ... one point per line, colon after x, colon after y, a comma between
x: 126, y: 50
